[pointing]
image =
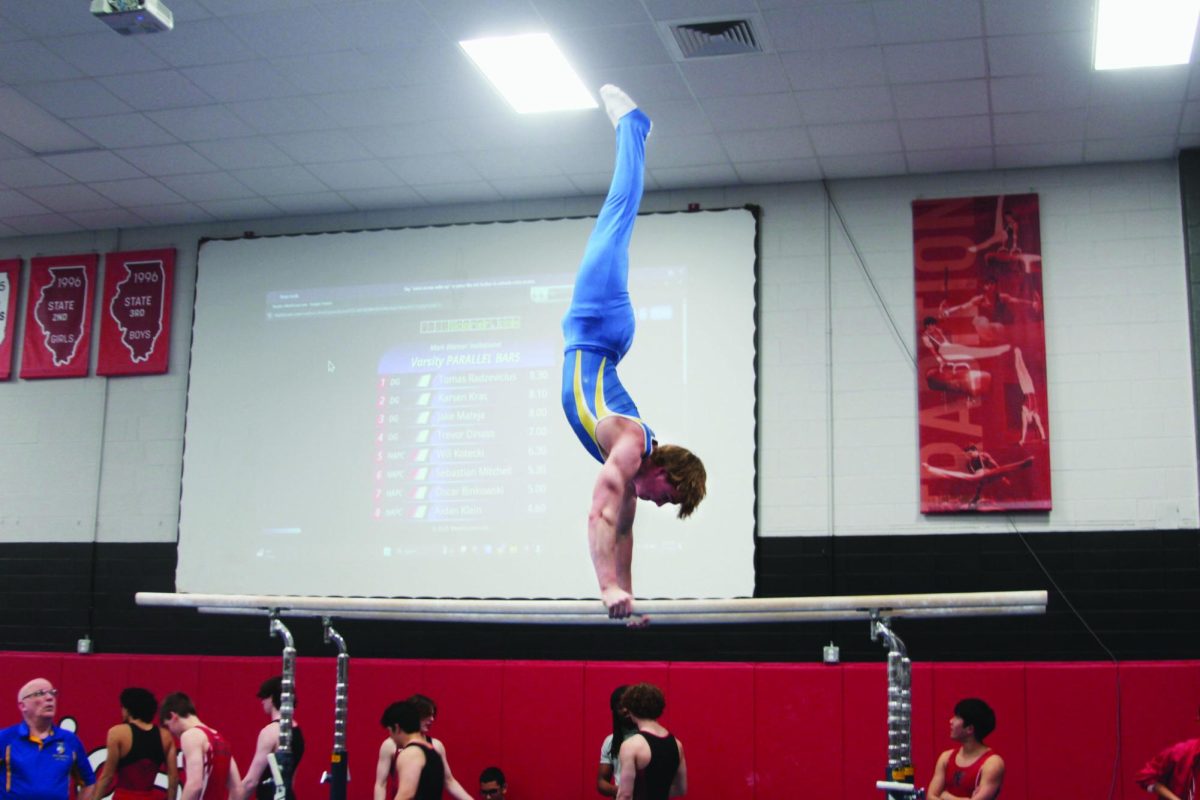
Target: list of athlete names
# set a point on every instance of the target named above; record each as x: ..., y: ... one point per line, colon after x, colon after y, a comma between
x: 461, y: 436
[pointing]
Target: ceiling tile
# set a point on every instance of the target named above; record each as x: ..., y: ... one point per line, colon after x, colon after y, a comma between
x: 752, y: 112
x: 254, y: 151
x: 445, y: 193
x: 857, y: 138
x: 435, y: 168
x: 503, y: 164
x: 94, y: 166
x: 284, y: 115
x: 14, y: 204
x: 935, y: 61
x: 274, y: 35
x: 80, y: 98
x: 1159, y: 85
x: 270, y: 181
x: 245, y: 80
x: 311, y: 203
x: 380, y: 23
x: 338, y: 71
x: 172, y: 159
x: 679, y: 118
x: 1148, y: 149
x: 829, y: 69
x: 107, y: 218
x: 849, y: 104
x: 207, y: 186
x: 36, y: 130
x: 695, y: 9
x: 408, y: 140
x: 927, y: 20
x: 405, y: 197
x: 122, y: 130
x: 248, y: 209
x: 617, y: 46
x: 17, y: 173
x: 530, y: 188
x: 695, y: 177
x: 863, y: 165
x: 775, y: 145
x: 139, y: 191
x: 951, y: 160
x: 945, y: 134
x: 345, y: 175
x: 684, y: 151
x: 792, y: 169
x: 1031, y: 16
x: 317, y: 147
x: 206, y: 42
x: 947, y: 99
x: 1039, y: 155
x: 53, y: 18
x: 70, y: 197
x: 565, y: 14
x: 201, y: 123
x: 1039, y: 93
x: 97, y: 54
x: 43, y: 223
x: 164, y: 88
x: 176, y: 214
x: 822, y: 27
x: 1134, y: 121
x: 1041, y: 126
x: 470, y: 19
x: 32, y: 62
x: 734, y: 75
x: 1040, y: 54
x: 1189, y: 123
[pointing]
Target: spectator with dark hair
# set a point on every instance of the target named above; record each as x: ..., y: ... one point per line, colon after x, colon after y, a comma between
x: 137, y: 751
x: 1173, y: 774
x: 609, y: 771
x: 259, y: 781
x: 972, y: 769
x: 652, y: 762
x: 385, y: 766
x: 39, y: 759
x: 420, y: 774
x: 209, y: 770
x: 492, y: 784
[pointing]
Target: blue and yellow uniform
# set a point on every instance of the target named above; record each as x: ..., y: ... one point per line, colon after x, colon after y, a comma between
x: 42, y: 769
x: 598, y: 327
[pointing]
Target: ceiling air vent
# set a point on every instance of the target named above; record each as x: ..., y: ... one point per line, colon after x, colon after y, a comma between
x: 703, y: 39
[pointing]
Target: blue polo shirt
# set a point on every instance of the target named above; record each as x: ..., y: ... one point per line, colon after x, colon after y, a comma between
x: 41, y: 769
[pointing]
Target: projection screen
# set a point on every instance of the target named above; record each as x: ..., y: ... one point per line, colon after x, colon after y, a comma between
x: 377, y: 413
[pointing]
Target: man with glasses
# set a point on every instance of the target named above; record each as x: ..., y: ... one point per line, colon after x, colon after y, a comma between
x: 492, y: 785
x: 41, y: 761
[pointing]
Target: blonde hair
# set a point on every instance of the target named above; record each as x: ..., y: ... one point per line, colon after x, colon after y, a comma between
x: 685, y: 471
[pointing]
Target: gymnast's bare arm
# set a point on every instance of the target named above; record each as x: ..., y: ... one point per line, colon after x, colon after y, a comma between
x: 610, y: 521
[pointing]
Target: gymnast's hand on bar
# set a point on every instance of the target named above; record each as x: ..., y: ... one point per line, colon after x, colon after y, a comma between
x: 618, y: 602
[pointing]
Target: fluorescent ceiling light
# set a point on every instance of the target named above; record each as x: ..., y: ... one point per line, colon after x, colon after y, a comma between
x: 1145, y: 33
x: 530, y: 71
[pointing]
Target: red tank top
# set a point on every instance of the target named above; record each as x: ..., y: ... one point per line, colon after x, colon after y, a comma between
x: 216, y: 766
x: 961, y: 781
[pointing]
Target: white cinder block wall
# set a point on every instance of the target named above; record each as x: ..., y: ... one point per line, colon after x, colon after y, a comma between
x: 102, y: 458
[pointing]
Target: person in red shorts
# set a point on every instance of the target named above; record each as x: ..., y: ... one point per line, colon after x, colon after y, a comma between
x: 137, y: 750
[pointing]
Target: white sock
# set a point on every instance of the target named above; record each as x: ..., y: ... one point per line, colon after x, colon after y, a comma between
x: 616, y: 103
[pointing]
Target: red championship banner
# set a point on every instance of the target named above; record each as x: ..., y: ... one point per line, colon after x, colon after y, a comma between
x: 10, y: 270
x: 135, y: 314
x: 981, y: 366
x: 58, y: 317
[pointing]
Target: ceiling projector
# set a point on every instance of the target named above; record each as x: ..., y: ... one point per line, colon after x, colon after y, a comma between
x: 134, y: 16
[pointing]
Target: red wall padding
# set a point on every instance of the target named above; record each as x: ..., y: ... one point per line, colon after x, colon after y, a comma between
x: 754, y: 731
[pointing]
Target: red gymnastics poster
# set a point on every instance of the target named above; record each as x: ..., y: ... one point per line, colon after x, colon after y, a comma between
x: 135, y: 313
x: 10, y: 270
x: 981, y: 361
x: 58, y: 313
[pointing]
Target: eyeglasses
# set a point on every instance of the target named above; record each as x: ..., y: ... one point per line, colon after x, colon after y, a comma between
x: 42, y: 693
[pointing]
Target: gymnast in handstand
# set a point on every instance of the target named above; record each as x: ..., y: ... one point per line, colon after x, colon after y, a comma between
x: 598, y: 330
